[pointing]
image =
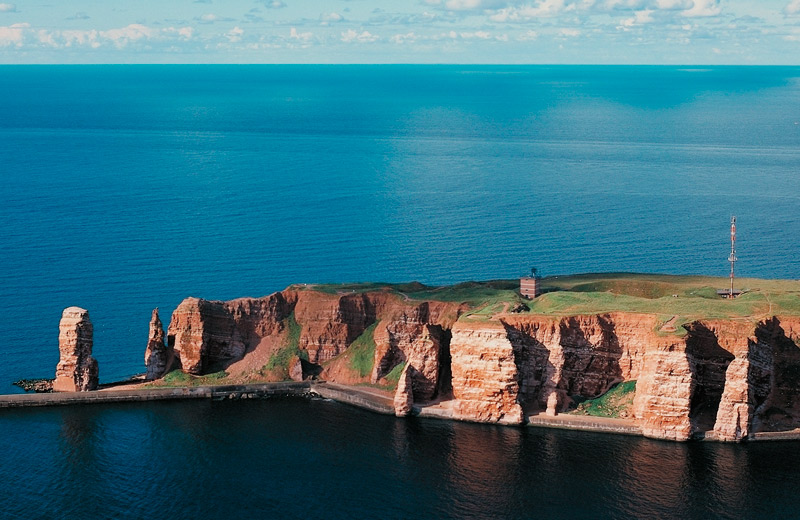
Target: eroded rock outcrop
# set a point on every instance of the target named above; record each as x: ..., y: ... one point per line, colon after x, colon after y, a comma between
x: 723, y: 378
x: 77, y: 370
x: 485, y: 374
x: 296, y: 368
x: 419, y: 336
x: 404, y: 394
x: 242, y: 335
x: 157, y: 357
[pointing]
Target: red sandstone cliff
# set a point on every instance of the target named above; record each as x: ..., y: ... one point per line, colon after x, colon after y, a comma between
x: 77, y: 369
x: 723, y: 378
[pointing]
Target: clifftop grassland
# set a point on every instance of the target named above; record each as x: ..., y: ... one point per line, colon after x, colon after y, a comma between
x: 677, y: 298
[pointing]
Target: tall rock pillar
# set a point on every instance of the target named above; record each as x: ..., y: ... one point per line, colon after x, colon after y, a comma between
x: 77, y: 369
x: 156, y: 357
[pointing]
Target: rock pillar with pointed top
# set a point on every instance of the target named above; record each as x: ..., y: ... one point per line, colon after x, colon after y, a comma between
x: 156, y: 356
x: 77, y: 369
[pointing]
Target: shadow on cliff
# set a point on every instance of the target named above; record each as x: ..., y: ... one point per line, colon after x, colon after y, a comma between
x: 576, y: 369
x: 777, y: 406
x: 708, y: 362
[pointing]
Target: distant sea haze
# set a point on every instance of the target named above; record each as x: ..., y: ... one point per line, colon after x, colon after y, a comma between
x: 131, y: 187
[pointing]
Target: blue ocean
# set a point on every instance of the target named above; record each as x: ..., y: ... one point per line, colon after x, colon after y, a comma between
x: 126, y: 188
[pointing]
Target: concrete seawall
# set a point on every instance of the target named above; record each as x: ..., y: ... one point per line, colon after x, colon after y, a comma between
x: 585, y: 423
x: 361, y: 397
x: 155, y: 394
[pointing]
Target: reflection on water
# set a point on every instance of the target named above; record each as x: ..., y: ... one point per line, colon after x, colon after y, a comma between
x: 297, y: 458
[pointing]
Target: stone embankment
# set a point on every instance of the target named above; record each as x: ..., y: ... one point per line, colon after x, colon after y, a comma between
x: 361, y: 397
x: 117, y: 395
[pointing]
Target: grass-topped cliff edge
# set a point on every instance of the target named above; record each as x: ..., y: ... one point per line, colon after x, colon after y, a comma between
x: 678, y: 298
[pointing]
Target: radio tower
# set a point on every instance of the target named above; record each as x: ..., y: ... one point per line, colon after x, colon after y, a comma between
x: 732, y: 259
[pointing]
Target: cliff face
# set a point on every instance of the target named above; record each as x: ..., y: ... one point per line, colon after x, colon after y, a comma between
x: 242, y: 335
x: 723, y: 378
x: 485, y: 374
x: 77, y: 369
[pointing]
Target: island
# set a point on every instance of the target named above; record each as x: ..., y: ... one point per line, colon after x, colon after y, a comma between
x: 658, y: 355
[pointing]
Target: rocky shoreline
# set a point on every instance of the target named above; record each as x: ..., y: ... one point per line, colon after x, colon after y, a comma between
x: 40, y: 386
x: 479, y: 359
x: 359, y: 397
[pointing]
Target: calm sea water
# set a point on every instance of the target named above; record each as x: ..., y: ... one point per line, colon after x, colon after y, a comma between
x: 312, y: 459
x: 130, y: 187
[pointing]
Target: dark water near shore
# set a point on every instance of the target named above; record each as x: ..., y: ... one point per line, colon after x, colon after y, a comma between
x: 295, y: 458
x: 130, y: 187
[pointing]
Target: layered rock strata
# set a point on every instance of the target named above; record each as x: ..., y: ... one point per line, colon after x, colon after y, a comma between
x: 77, y: 370
x: 404, y: 395
x: 722, y: 378
x: 157, y: 357
x: 208, y: 336
x: 485, y: 374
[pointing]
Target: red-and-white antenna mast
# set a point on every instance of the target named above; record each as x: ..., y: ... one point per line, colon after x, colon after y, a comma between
x: 732, y: 259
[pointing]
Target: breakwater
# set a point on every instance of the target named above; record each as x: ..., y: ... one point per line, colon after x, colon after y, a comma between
x: 221, y: 392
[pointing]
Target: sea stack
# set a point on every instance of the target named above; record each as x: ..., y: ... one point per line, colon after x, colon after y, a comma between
x: 77, y: 369
x: 156, y: 356
x: 404, y: 394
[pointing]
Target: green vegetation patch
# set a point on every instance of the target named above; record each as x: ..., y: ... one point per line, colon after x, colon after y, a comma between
x: 178, y: 378
x: 394, y: 375
x: 361, y: 353
x: 690, y: 297
x: 279, y: 360
x: 616, y: 403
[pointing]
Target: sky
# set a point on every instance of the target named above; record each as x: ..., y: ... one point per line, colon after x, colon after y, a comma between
x: 758, y: 32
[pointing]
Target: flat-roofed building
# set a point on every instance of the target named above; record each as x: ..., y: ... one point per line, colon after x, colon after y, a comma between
x: 529, y: 287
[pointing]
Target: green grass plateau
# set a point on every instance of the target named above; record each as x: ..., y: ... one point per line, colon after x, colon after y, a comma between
x: 685, y: 297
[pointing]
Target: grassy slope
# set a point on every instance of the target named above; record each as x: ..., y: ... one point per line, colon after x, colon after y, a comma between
x: 684, y: 296
x: 360, y: 355
x: 179, y: 379
x: 688, y: 297
x: 616, y: 403
x: 279, y: 361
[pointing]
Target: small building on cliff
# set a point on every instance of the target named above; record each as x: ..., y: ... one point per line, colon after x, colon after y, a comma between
x: 529, y: 286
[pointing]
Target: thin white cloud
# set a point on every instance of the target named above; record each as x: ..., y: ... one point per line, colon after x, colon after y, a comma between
x: 123, y: 36
x: 273, y: 4
x: 212, y: 17
x: 793, y: 36
x: 792, y: 8
x: 79, y: 38
x: 410, y: 37
x: 704, y: 8
x: 639, y: 18
x: 303, y: 36
x: 477, y: 35
x: 329, y: 18
x: 235, y: 34
x: 8, y: 8
x: 674, y: 5
x: 352, y: 36
x: 13, y: 35
x: 640, y: 11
